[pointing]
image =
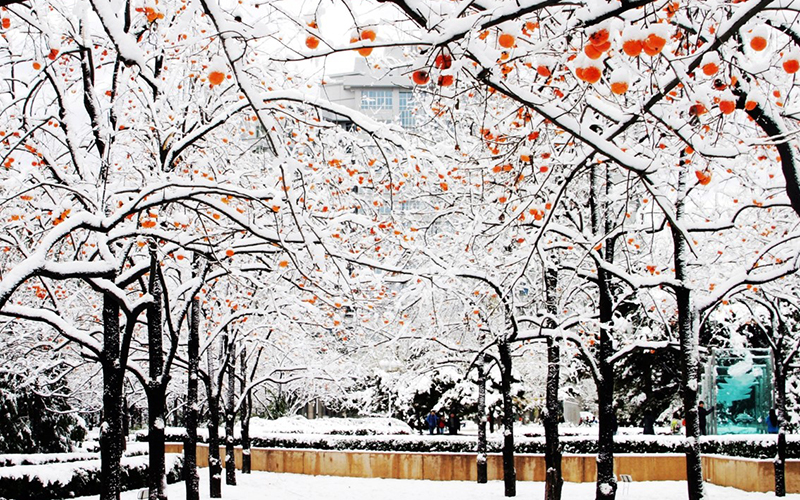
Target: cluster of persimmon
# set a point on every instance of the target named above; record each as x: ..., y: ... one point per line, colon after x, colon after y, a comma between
x: 759, y: 42
x: 442, y: 62
x: 362, y: 35
x: 358, y: 35
x: 635, y: 41
x: 150, y: 13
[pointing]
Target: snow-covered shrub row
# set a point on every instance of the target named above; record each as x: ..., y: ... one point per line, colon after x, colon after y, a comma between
x: 297, y: 424
x: 75, y: 479
x: 12, y: 459
x: 750, y: 446
x: 747, y: 446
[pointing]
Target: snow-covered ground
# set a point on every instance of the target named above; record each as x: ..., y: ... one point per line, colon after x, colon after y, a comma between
x: 297, y: 424
x: 259, y: 485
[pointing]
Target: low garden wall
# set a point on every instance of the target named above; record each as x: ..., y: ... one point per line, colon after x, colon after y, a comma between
x: 744, y: 474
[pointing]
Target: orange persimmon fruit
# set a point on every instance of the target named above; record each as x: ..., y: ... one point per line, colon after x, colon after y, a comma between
x: 619, y: 88
x: 727, y: 106
x: 632, y: 48
x: 312, y: 42
x: 758, y: 43
x: 653, y: 44
x: 599, y: 37
x: 592, y: 74
x: 216, y: 77
x: 443, y: 61
x: 506, y: 40
x: 703, y: 177
x: 420, y: 77
x: 710, y: 69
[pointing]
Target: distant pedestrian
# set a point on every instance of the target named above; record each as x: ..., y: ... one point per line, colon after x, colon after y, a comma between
x: 442, y: 422
x: 675, y: 424
x: 702, y: 412
x: 772, y: 422
x: 433, y: 421
x: 648, y: 423
x: 453, y: 423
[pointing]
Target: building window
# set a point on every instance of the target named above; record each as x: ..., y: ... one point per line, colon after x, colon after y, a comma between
x: 376, y: 100
x: 407, y: 109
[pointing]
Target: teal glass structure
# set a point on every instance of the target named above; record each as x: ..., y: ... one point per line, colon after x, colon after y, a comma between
x: 737, y: 384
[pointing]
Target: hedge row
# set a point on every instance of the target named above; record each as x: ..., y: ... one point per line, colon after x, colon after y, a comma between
x: 42, y: 482
x: 736, y: 446
x: 15, y: 459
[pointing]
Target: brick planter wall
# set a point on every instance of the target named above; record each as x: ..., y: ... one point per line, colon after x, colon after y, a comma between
x: 744, y: 474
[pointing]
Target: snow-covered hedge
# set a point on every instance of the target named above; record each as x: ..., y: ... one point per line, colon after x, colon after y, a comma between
x: 749, y: 446
x: 297, y: 424
x: 12, y: 459
x: 74, y: 479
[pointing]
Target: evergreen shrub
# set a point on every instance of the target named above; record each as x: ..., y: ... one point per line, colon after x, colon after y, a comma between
x: 32, y: 482
x: 735, y: 446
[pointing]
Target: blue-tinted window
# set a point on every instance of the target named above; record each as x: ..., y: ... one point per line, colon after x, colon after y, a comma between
x: 407, y: 109
x: 376, y: 100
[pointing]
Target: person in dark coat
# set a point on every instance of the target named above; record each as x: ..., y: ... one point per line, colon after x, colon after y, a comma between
x: 433, y: 421
x: 772, y: 422
x: 453, y: 423
x: 702, y: 412
x: 648, y: 423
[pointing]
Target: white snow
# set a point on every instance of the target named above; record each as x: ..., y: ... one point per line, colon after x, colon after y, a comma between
x: 63, y: 473
x: 260, y: 485
x: 297, y: 424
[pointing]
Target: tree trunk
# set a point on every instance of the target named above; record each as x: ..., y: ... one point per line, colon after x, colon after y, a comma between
x: 689, y: 349
x: 780, y: 410
x: 552, y: 450
x: 126, y: 418
x: 111, y: 437
x: 482, y: 457
x: 606, y: 480
x: 156, y: 475
x: 156, y: 387
x: 190, y: 445
x: 247, y: 401
x: 214, y: 463
x: 509, y: 471
x: 230, y: 400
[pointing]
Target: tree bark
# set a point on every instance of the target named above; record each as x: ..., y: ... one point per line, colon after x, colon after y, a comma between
x: 191, y: 412
x: 481, y: 461
x: 111, y: 437
x: 214, y: 463
x: 780, y: 410
x: 245, y: 412
x: 156, y: 388
x: 606, y: 480
x: 689, y: 350
x: 509, y: 471
x: 230, y: 400
x: 552, y: 451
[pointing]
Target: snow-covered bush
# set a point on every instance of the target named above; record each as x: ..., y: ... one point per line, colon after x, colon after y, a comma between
x: 74, y: 479
x: 762, y: 446
x: 297, y: 424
